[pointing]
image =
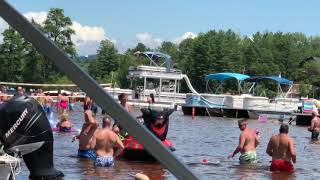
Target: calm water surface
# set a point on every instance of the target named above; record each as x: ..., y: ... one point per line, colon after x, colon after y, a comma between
x: 208, y: 138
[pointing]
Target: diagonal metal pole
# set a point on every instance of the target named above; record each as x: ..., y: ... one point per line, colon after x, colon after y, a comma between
x: 92, y: 88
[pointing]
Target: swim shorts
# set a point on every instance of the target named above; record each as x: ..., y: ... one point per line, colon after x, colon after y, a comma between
x: 63, y: 104
x: 94, y: 108
x: 281, y: 165
x: 48, y: 109
x: 87, y: 154
x: 64, y: 129
x: 249, y: 157
x: 71, y: 106
x: 104, y: 161
x: 314, y: 135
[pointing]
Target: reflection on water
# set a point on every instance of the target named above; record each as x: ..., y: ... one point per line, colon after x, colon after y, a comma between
x: 203, y: 144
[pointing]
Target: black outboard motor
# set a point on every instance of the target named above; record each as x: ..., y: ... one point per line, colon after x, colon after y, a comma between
x: 25, y: 130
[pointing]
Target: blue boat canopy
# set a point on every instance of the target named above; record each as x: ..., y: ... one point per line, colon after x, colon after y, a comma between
x: 274, y: 78
x: 227, y: 75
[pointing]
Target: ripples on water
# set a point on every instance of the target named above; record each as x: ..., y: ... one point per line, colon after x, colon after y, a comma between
x: 207, y: 138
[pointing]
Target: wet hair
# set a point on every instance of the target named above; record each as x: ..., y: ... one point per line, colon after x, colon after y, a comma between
x: 64, y: 117
x: 240, y: 121
x: 284, y: 128
x: 121, y: 96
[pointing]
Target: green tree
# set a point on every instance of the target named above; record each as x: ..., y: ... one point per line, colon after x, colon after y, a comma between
x: 171, y: 49
x: 57, y: 27
x: 106, y: 62
x: 126, y: 60
x: 33, y: 69
x: 11, y: 56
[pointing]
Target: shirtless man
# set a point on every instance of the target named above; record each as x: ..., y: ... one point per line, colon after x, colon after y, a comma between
x: 87, y: 103
x: 41, y: 97
x: 315, y: 126
x: 123, y: 98
x: 107, y: 145
x: 3, y: 95
x: 86, y: 144
x: 248, y: 141
x: 281, y: 148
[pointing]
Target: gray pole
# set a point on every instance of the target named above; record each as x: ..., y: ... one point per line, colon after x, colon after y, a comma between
x: 92, y: 88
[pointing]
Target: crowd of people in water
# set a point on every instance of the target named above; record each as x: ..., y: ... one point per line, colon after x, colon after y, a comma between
x: 280, y: 146
x: 105, y: 143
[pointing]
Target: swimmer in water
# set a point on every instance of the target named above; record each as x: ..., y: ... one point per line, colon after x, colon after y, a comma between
x: 86, y: 145
x: 48, y: 104
x: 315, y: 125
x: 107, y: 145
x: 41, y: 97
x: 72, y: 101
x: 64, y: 124
x: 123, y: 98
x: 248, y: 142
x: 281, y: 149
x: 3, y: 95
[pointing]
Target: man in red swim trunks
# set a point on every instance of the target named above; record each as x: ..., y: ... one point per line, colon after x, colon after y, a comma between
x: 281, y: 149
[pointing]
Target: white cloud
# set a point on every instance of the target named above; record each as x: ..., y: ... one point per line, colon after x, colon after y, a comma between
x: 87, y: 33
x: 148, y: 40
x: 38, y: 17
x: 86, y: 38
x: 184, y: 36
x: 153, y: 42
x: 3, y: 26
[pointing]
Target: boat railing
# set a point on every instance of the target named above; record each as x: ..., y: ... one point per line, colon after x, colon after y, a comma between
x: 154, y: 69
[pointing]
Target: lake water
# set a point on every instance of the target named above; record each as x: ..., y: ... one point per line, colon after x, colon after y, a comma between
x: 207, y: 138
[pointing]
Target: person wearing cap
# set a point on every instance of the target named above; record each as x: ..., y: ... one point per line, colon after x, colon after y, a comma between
x: 248, y: 142
x: 315, y: 125
x: 157, y: 121
x: 281, y: 149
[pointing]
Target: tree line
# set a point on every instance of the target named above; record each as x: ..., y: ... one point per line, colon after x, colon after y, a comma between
x: 263, y: 53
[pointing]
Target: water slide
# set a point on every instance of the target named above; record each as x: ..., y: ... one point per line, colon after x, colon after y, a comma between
x: 206, y: 101
x: 185, y: 77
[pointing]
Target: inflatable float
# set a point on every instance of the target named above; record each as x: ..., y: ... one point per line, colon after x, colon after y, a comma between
x: 134, y: 151
x: 56, y: 129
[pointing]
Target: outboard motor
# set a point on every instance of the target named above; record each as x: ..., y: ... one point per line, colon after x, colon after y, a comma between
x: 25, y: 130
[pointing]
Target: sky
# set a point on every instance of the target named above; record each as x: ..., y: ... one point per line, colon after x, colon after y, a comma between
x: 127, y: 22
